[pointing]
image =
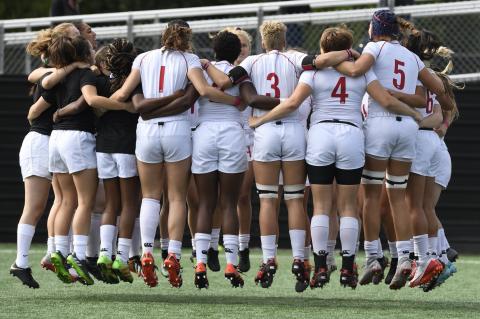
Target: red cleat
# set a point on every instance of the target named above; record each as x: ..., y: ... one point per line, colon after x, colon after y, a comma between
x: 148, y: 270
x: 172, y: 265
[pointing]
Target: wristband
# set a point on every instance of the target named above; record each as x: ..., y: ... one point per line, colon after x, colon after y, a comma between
x: 237, y: 101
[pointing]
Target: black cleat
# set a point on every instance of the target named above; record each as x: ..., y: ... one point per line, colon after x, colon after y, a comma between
x: 244, y: 260
x: 266, y: 273
x: 349, y: 278
x: 212, y: 260
x: 379, y: 277
x: 164, y: 254
x: 452, y: 254
x: 92, y: 267
x: 25, y: 276
x: 301, y: 274
x: 135, y: 265
x: 391, y: 271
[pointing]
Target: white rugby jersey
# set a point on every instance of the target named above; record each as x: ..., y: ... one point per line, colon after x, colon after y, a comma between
x: 304, y: 110
x: 395, y: 67
x: 163, y: 72
x: 212, y: 111
x: 245, y: 116
x: 193, y: 114
x: 275, y: 74
x: 336, y: 96
x: 364, y: 109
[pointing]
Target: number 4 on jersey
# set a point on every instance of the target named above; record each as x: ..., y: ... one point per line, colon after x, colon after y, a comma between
x: 341, y: 85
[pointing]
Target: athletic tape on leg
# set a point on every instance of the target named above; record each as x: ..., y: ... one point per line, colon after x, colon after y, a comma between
x: 396, y: 181
x: 372, y: 177
x: 267, y: 191
x: 293, y: 191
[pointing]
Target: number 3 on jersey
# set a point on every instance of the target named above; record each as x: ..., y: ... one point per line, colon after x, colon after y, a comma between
x: 273, y: 76
x: 341, y: 85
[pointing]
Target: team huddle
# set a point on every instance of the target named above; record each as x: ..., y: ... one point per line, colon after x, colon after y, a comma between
x: 174, y: 138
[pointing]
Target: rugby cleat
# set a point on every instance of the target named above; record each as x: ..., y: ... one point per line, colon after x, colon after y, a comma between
x: 391, y: 271
x: 452, y: 254
x: 61, y: 267
x: 321, y: 275
x: 244, y: 260
x: 372, y: 272
x: 164, y: 254
x: 212, y: 260
x: 46, y: 263
x: 122, y: 270
x: 447, y: 272
x: 81, y: 269
x: 425, y: 272
x: 93, y: 269
x: 135, y: 265
x: 232, y: 275
x: 105, y: 265
x: 266, y: 273
x: 25, y: 276
x: 148, y: 270
x: 201, y: 280
x: 384, y: 264
x: 301, y: 274
x: 402, y: 273
x: 349, y: 278
x: 172, y: 266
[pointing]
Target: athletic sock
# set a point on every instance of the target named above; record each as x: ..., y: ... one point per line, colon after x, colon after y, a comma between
x: 443, y: 238
x: 164, y: 243
x: 306, y: 252
x: 50, y: 245
x: 62, y: 244
x: 421, y: 247
x: 379, y: 249
x: 175, y: 247
x: 215, y: 238
x: 371, y: 249
x: 392, y: 247
x: 297, y: 239
x: 193, y: 244
x: 107, y: 232
x: 243, y: 240
x: 230, y: 242
x: 319, y: 229
x: 136, y: 239
x: 80, y: 246
x: 70, y: 240
x: 432, y: 246
x: 331, y: 246
x: 149, y: 218
x: 348, y: 235
x: 269, y: 247
x: 123, y: 249
x: 202, y: 241
x: 93, y: 245
x: 412, y: 247
x: 403, y: 248
x: 25, y: 234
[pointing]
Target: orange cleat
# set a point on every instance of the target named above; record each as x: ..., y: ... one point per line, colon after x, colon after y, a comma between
x: 172, y: 265
x: 201, y: 280
x: 148, y: 270
x: 232, y: 274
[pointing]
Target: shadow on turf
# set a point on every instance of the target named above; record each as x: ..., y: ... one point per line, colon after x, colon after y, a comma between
x: 423, y: 305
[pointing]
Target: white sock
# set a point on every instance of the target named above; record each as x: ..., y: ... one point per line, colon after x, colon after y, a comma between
x: 80, y: 246
x: 193, y: 244
x: 136, y: 239
x: 164, y: 243
x: 123, y: 249
x: 331, y: 247
x: 443, y: 238
x: 70, y: 240
x: 306, y: 252
x: 421, y: 247
x: 62, y: 244
x: 202, y: 241
x: 25, y: 234
x: 243, y: 240
x: 107, y: 232
x: 215, y: 238
x: 432, y: 246
x: 269, y: 247
x: 93, y: 245
x: 297, y: 239
x: 348, y: 235
x: 149, y: 217
x: 175, y: 247
x: 371, y: 248
x: 403, y: 248
x: 230, y: 242
x: 379, y: 249
x: 50, y: 245
x: 392, y: 246
x: 319, y: 229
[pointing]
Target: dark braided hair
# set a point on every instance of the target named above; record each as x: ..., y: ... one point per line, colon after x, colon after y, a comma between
x: 119, y: 59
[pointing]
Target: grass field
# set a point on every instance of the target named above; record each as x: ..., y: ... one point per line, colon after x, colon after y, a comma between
x: 459, y: 297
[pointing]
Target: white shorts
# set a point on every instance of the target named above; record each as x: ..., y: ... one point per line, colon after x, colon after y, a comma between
x: 337, y: 143
x: 167, y: 142
x: 219, y: 146
x: 249, y: 143
x: 441, y: 167
x: 34, y: 156
x: 116, y: 165
x: 427, y: 144
x: 71, y: 151
x: 282, y: 142
x: 385, y: 137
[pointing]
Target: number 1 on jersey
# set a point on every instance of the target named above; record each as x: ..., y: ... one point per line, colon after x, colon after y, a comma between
x: 162, y: 78
x: 341, y: 84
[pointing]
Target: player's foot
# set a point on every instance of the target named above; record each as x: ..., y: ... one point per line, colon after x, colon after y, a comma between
x: 25, y: 276
x: 172, y: 266
x: 148, y: 270
x: 122, y: 270
x: 266, y: 273
x: 384, y: 264
x: 452, y: 254
x: 232, y: 275
x: 212, y: 260
x: 301, y: 275
x: 391, y: 271
x: 402, y: 273
x: 80, y: 267
x: 93, y: 268
x: 135, y: 265
x: 61, y: 267
x: 372, y: 272
x: 105, y: 265
x: 331, y: 264
x: 164, y: 254
x: 46, y: 263
x: 201, y: 280
x: 425, y: 272
x: 348, y: 278
x: 244, y: 260
x: 446, y: 273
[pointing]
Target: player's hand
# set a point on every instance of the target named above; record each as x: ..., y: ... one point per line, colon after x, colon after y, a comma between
x: 56, y: 117
x: 204, y: 62
x: 355, y: 54
x: 254, y: 122
x: 95, y: 70
x: 418, y: 118
x: 441, y: 131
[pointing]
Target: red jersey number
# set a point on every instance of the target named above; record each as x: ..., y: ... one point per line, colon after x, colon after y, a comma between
x: 161, y: 79
x: 341, y: 85
x: 273, y: 76
x: 429, y: 107
x: 399, y: 83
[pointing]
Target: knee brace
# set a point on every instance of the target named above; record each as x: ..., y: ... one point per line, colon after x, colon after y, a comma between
x: 267, y: 191
x: 396, y: 181
x: 372, y: 177
x: 293, y: 191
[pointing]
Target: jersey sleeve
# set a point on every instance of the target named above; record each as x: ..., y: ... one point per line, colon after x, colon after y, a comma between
x: 307, y: 78
x: 50, y: 96
x: 193, y: 62
x: 420, y: 63
x: 373, y: 49
x: 138, y: 61
x: 247, y: 64
x: 370, y: 76
x: 297, y: 60
x: 88, y: 78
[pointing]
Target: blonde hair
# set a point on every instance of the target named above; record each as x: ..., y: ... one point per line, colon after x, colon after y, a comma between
x: 407, y: 28
x: 44, y: 38
x: 273, y: 35
x: 177, y: 37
